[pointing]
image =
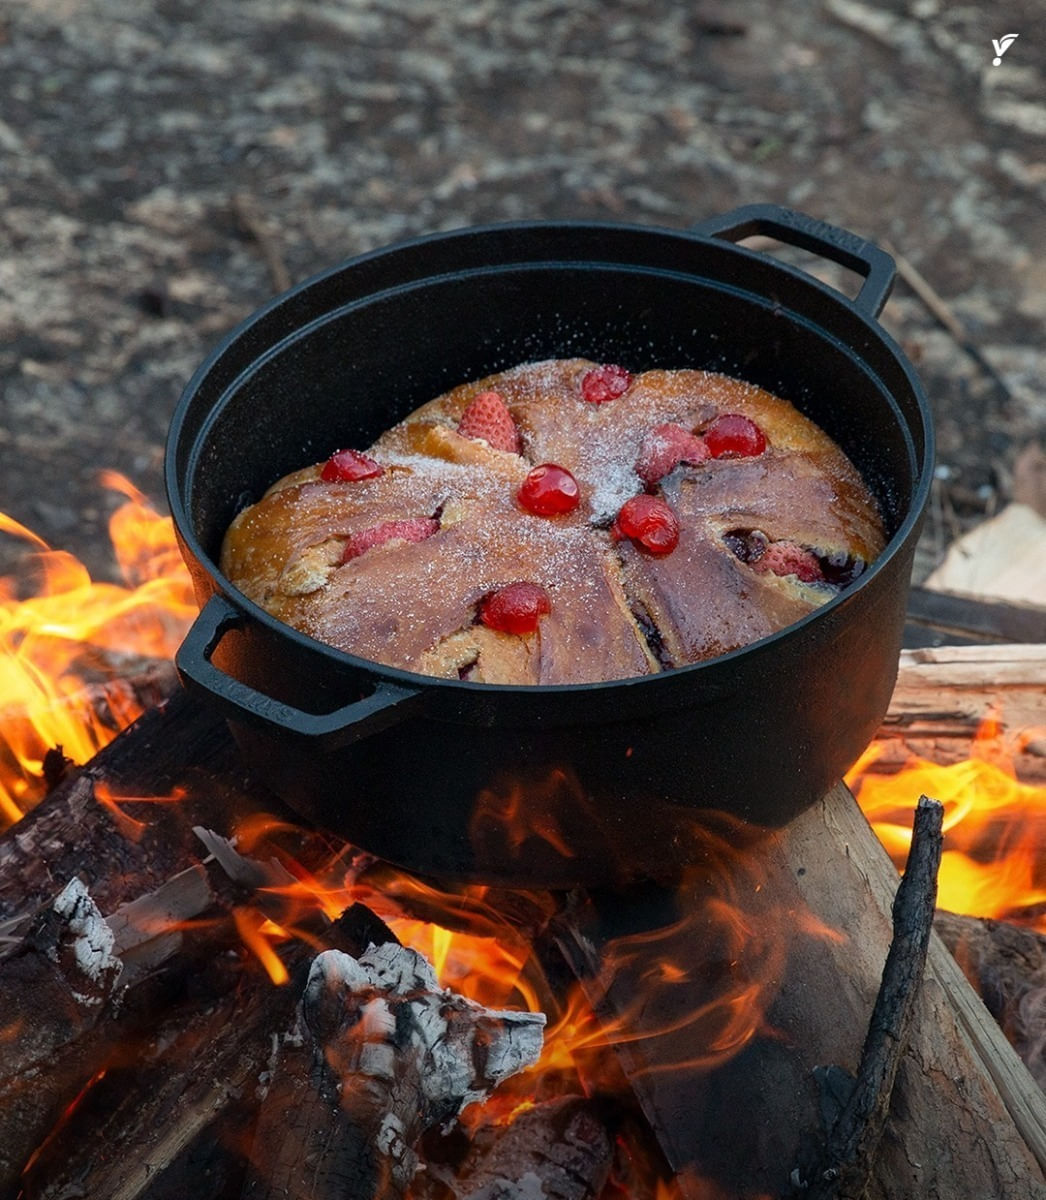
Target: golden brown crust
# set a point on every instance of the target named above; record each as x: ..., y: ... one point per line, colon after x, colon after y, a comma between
x: 616, y: 611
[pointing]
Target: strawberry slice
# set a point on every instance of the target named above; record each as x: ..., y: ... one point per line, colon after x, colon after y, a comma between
x: 605, y: 383
x: 789, y: 558
x: 488, y: 417
x: 411, y: 529
x: 664, y: 448
x: 346, y: 466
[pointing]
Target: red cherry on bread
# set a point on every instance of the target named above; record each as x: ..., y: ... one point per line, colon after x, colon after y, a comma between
x: 734, y: 436
x: 649, y: 522
x: 515, y: 608
x: 549, y: 490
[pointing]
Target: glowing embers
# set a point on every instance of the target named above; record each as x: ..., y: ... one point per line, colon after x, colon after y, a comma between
x: 995, y: 826
x: 66, y: 652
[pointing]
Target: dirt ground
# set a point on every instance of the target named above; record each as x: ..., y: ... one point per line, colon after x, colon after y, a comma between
x: 167, y: 166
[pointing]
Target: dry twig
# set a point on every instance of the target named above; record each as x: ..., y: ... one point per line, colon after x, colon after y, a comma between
x: 849, y: 1158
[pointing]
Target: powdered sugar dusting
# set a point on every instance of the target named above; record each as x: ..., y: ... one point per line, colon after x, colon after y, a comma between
x: 398, y: 601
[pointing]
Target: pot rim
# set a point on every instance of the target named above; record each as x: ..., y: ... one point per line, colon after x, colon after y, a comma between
x: 413, y: 680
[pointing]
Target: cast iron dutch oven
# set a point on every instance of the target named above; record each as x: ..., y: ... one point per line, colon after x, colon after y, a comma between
x: 567, y: 784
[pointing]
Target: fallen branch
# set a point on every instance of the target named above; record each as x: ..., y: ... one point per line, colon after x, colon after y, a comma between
x: 849, y: 1159
x: 252, y: 222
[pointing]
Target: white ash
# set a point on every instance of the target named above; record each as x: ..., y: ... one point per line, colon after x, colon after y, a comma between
x: 441, y: 1031
x: 93, y: 939
x: 390, y: 1140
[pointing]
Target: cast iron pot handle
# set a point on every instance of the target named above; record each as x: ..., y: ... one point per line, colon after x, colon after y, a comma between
x: 797, y: 229
x: 387, y: 704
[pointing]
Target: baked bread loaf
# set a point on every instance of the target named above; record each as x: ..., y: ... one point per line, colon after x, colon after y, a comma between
x: 563, y: 522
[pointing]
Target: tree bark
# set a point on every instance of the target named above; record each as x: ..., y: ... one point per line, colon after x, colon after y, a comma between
x: 943, y: 695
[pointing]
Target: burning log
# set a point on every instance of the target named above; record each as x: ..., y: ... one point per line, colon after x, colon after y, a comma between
x: 1007, y: 966
x: 737, y: 1117
x: 124, y: 822
x: 82, y: 985
x: 184, y: 1106
x: 944, y: 695
x: 560, y: 1149
x: 380, y: 1054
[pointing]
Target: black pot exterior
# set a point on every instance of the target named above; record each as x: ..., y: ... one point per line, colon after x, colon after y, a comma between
x: 546, y: 785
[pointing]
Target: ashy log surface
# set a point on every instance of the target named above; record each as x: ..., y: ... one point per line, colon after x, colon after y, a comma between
x: 559, y: 1149
x: 178, y: 1112
x: 380, y: 1054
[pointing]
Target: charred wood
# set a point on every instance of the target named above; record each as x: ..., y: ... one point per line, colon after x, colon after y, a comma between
x: 848, y: 1161
x: 178, y: 766
x: 184, y: 1105
x: 379, y: 1054
x: 1006, y: 964
x: 559, y: 1149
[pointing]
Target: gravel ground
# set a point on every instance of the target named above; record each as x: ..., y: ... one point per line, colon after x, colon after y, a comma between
x: 166, y: 166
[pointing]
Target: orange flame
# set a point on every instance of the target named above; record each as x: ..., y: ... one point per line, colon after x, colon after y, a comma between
x: 58, y: 644
x: 995, y: 826
x: 258, y: 934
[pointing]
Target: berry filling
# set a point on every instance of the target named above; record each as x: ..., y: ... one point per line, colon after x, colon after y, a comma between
x: 605, y: 383
x: 649, y: 523
x: 734, y: 436
x: 664, y: 448
x: 345, y: 466
x: 515, y: 608
x: 789, y: 558
x: 411, y: 529
x: 753, y: 547
x: 549, y: 490
x: 487, y: 417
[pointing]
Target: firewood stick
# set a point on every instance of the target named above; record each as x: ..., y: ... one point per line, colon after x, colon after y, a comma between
x: 848, y: 1162
x: 381, y: 1053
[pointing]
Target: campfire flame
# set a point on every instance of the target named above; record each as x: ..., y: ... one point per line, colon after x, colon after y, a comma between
x: 994, y: 825
x: 63, y: 648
